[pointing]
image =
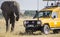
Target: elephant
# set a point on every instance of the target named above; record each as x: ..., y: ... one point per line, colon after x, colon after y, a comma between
x: 10, y: 11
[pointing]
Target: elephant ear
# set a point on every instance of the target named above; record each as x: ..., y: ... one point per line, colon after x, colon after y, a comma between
x: 16, y: 10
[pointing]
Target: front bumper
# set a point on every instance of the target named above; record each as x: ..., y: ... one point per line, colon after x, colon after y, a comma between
x: 32, y: 23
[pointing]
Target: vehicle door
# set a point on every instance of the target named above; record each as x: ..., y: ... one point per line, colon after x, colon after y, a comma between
x: 56, y: 19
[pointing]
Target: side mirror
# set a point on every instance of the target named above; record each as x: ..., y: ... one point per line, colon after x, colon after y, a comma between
x: 54, y: 17
x: 36, y: 15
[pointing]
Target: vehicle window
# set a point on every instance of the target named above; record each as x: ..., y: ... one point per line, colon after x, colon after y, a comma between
x: 58, y: 3
x: 40, y: 14
x: 54, y: 15
x: 43, y: 14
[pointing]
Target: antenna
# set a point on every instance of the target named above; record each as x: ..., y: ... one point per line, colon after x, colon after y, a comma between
x: 37, y: 5
x: 37, y: 8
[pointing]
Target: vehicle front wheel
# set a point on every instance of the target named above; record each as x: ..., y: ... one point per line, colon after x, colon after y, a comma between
x: 46, y: 29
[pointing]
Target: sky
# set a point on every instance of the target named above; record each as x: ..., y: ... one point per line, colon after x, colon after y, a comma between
x: 30, y: 4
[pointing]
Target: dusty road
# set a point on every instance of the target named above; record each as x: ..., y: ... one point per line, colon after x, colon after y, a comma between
x: 20, y: 32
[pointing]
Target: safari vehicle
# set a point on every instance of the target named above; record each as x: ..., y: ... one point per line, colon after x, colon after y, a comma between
x: 45, y: 20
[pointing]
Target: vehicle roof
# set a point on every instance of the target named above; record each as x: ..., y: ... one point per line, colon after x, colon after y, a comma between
x: 48, y: 8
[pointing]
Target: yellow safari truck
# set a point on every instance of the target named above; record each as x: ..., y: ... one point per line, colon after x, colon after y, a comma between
x: 45, y: 20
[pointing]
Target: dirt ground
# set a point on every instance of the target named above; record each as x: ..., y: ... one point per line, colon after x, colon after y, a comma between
x: 19, y: 30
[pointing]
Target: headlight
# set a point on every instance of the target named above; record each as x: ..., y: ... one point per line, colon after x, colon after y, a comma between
x: 38, y: 22
x: 25, y: 22
x: 33, y: 22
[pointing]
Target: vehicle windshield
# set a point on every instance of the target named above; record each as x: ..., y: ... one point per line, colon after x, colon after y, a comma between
x: 43, y: 14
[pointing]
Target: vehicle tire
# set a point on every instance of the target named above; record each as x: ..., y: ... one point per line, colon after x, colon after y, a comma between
x: 55, y: 31
x: 46, y: 29
x: 28, y: 31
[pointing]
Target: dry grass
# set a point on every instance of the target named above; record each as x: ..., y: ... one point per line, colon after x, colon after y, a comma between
x: 19, y: 30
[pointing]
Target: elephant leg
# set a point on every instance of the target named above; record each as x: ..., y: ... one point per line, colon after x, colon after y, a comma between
x: 6, y: 19
x: 7, y: 26
x: 13, y: 23
x: 10, y: 20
